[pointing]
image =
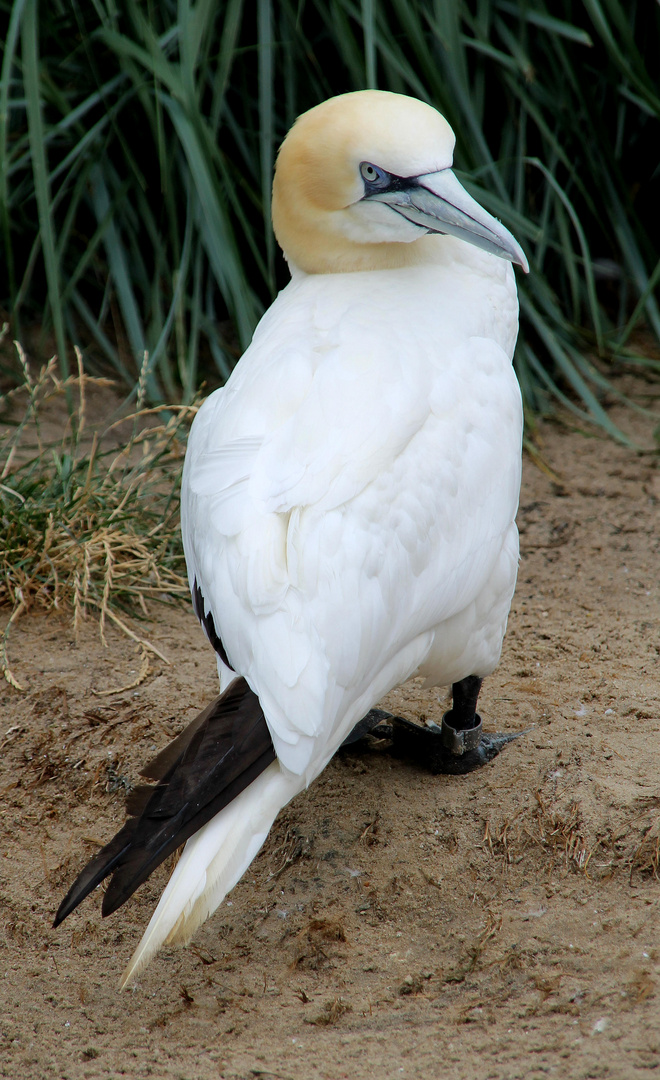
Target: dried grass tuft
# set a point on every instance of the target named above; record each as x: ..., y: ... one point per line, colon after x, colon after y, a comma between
x: 561, y: 831
x: 646, y: 857
x: 88, y: 527
x: 557, y: 830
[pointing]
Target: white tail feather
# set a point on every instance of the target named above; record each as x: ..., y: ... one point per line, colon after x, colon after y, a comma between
x: 213, y: 860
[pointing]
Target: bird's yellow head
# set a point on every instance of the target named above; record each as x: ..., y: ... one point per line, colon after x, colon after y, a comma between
x: 363, y: 176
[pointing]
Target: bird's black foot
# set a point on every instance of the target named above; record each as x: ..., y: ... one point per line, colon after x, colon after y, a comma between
x: 456, y: 747
x: 445, y: 749
x: 375, y: 718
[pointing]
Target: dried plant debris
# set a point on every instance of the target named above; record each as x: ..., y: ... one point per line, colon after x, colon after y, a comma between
x: 88, y: 525
x: 472, y: 954
x: 331, y: 1013
x: 558, y: 830
x: 640, y: 988
x: 293, y: 847
x: 646, y: 858
x: 314, y: 944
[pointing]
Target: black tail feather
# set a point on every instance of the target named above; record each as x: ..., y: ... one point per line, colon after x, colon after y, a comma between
x: 98, y: 868
x: 223, y: 750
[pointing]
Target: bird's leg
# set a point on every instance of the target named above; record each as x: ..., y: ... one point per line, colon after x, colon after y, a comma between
x: 459, y: 745
x: 461, y: 726
x: 462, y: 718
x: 456, y: 747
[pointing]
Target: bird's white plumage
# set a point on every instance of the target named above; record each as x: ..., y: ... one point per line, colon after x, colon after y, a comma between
x: 348, y: 511
x: 332, y: 525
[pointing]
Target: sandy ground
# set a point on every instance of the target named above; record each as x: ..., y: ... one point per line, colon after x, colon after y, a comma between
x: 396, y: 924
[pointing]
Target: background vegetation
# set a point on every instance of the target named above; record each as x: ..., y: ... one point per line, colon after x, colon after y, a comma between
x: 89, y: 520
x: 137, y: 142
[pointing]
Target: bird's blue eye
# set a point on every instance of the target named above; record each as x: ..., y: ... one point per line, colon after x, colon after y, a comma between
x: 375, y: 178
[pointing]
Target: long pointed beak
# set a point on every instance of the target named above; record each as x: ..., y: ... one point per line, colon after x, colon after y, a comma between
x: 438, y: 203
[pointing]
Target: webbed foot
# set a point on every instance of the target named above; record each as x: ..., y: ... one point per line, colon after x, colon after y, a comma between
x: 456, y: 747
x: 374, y: 718
x: 445, y: 749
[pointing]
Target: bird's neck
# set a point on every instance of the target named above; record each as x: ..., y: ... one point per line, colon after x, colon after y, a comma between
x: 343, y: 256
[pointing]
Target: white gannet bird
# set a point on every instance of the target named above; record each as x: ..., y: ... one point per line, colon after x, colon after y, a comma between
x: 348, y: 498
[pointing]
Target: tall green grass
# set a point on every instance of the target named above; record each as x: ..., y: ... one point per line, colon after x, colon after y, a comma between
x: 137, y: 144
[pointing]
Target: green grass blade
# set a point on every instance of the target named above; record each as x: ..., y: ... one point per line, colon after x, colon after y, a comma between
x: 8, y: 60
x: 266, y: 125
x: 370, y: 80
x: 29, y: 39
